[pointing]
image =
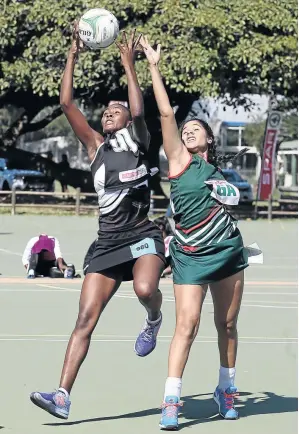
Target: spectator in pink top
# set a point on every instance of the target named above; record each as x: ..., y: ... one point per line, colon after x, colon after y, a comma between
x: 42, y: 257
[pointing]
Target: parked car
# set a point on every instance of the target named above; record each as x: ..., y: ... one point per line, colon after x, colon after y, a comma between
x: 231, y: 175
x: 19, y: 179
x: 245, y: 189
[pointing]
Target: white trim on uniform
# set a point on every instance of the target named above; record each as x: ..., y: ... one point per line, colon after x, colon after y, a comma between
x: 202, y: 230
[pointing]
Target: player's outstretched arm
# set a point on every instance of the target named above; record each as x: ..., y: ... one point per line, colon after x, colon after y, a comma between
x: 175, y: 151
x: 128, y: 52
x: 89, y: 137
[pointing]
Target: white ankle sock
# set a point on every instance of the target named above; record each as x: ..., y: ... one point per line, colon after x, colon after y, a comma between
x: 173, y: 387
x: 226, y: 377
x: 61, y: 389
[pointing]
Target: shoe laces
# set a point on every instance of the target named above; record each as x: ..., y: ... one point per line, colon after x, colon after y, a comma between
x: 60, y: 398
x: 170, y: 409
x: 229, y: 399
x: 148, y: 332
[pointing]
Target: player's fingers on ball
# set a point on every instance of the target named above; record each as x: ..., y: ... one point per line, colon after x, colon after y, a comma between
x: 75, y: 27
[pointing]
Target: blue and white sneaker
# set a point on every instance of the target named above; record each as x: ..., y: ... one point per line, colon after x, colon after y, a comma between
x: 55, y: 403
x: 225, y: 401
x: 31, y: 274
x: 147, y: 339
x: 170, y: 413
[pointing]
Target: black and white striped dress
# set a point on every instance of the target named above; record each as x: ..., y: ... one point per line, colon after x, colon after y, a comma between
x: 121, y: 173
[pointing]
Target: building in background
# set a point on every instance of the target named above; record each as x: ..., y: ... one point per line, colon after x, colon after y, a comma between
x: 287, y: 165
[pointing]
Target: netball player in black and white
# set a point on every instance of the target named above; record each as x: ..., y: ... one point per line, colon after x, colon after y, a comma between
x: 129, y: 246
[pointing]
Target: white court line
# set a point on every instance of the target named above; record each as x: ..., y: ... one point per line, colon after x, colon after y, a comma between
x: 97, y: 336
x: 246, y: 293
x: 10, y: 252
x: 59, y: 288
x: 126, y: 292
x: 214, y: 341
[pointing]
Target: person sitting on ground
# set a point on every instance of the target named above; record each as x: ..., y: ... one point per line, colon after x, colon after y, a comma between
x: 42, y: 257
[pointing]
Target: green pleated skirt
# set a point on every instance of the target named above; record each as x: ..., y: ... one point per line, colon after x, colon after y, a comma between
x: 209, y: 263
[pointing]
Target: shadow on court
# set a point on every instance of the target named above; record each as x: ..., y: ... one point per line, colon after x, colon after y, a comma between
x: 203, y: 410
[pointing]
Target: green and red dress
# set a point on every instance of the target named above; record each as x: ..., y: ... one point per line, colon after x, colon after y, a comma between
x: 207, y: 245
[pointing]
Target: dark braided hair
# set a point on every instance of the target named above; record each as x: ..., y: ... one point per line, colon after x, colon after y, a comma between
x: 214, y: 157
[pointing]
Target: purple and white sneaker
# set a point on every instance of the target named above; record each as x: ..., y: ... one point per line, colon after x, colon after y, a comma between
x: 147, y: 339
x: 55, y: 403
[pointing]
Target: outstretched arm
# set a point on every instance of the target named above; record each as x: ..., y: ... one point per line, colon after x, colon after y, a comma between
x: 177, y: 154
x: 127, y: 53
x: 89, y: 137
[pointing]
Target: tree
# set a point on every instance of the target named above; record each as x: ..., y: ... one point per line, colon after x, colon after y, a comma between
x: 210, y: 48
x: 255, y: 131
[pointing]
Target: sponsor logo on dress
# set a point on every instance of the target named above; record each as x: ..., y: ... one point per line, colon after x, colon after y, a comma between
x: 143, y: 247
x: 132, y: 175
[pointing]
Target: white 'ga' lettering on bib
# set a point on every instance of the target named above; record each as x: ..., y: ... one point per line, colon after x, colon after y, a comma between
x: 132, y: 175
x: 224, y: 192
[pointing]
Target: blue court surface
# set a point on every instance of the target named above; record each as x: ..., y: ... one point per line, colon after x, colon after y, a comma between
x: 116, y: 391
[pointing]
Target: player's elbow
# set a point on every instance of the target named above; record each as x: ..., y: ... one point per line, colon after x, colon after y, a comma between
x: 64, y: 104
x: 167, y: 113
x: 65, y: 101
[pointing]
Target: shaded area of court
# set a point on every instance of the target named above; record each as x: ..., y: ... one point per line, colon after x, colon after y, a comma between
x: 117, y: 391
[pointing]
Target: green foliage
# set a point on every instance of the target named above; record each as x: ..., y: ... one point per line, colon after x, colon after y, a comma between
x: 210, y: 48
x: 254, y: 132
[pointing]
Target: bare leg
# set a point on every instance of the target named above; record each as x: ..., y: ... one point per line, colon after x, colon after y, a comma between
x: 189, y: 300
x: 227, y: 297
x: 147, y: 272
x: 96, y: 292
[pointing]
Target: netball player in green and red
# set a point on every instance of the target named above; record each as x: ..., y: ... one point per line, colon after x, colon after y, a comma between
x: 207, y: 249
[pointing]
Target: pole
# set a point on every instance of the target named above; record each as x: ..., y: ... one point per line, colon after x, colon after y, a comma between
x: 78, y: 191
x: 13, y: 202
x: 270, y: 208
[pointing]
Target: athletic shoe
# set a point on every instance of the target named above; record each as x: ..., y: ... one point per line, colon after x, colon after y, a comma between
x: 55, y: 403
x: 225, y: 401
x: 147, y: 339
x: 170, y: 413
x: 31, y: 274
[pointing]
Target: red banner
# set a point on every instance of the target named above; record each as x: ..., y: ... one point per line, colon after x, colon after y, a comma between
x: 267, y: 175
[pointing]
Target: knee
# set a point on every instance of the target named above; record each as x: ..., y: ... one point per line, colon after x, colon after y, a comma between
x: 228, y: 327
x: 144, y: 290
x: 187, y: 326
x: 85, y: 323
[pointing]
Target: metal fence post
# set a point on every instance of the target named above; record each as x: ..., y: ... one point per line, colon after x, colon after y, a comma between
x: 78, y: 191
x: 13, y: 202
x: 270, y: 208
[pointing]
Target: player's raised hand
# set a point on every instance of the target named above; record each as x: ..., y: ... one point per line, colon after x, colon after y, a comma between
x: 77, y: 43
x: 153, y: 56
x: 128, y: 49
